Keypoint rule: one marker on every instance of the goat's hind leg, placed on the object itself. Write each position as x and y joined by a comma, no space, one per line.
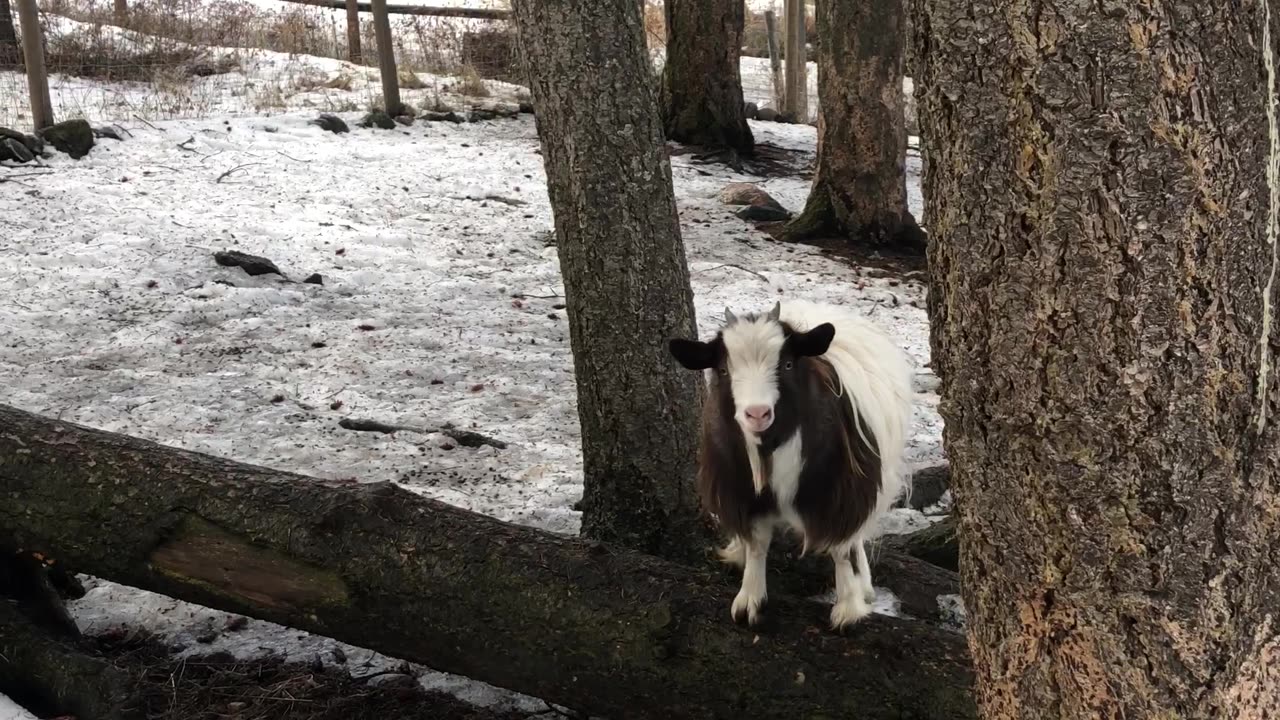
864,571
749,603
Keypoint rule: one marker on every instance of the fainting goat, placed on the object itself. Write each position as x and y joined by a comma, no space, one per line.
804,427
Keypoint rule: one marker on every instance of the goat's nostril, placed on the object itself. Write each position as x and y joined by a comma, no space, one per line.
759,413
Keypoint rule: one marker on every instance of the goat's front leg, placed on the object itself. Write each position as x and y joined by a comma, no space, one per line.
851,601
864,571
750,601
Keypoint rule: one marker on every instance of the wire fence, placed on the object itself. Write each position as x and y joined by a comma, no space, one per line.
170,59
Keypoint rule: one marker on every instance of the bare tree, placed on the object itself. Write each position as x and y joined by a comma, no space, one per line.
353,32
1103,194
701,83
860,189
625,273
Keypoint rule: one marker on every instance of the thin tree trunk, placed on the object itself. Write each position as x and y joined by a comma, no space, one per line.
608,631
701,82
1103,194
624,268
10,54
33,57
859,190
353,32
386,58
121,11
797,85
775,60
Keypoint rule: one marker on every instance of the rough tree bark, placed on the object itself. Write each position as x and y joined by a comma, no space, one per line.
608,631
625,274
859,189
701,83
386,58
1103,197
10,54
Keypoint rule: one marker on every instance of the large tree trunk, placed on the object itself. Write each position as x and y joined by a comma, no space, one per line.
1103,202
10,54
594,627
860,186
624,268
701,82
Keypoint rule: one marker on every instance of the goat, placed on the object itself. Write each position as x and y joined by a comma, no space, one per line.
804,427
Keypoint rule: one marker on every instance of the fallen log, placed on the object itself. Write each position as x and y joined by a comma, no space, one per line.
392,9
937,544
611,632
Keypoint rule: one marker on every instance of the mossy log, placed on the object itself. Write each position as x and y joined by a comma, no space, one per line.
610,632
937,544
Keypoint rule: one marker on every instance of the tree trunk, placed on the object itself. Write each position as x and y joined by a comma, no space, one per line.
33,58
701,82
624,268
353,32
121,11
797,85
1103,200
418,10
860,186
10,55
605,630
386,59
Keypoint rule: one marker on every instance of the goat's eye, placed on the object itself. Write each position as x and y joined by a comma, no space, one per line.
724,372
789,365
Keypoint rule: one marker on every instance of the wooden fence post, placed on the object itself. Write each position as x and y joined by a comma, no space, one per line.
386,58
775,59
33,52
797,86
353,31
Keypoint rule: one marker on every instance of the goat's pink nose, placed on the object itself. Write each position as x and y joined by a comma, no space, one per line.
759,413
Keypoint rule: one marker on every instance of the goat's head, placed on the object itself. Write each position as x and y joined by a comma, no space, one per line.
758,362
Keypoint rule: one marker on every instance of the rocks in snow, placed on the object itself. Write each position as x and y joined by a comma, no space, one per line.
11,149
314,279
73,137
759,205
251,264
750,110
332,123
378,119
437,116
767,114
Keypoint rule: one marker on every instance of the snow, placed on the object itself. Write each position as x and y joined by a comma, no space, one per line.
431,238
10,710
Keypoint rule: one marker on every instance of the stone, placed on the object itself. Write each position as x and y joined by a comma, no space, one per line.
11,149
378,119
767,114
742,193
332,123
436,116
251,264
761,213
751,111
73,137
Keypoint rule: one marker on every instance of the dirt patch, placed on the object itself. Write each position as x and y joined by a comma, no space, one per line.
220,687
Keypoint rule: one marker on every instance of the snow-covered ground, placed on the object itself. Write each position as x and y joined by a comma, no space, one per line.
441,303
10,710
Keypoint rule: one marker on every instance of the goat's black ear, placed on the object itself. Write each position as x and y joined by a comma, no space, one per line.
692,354
814,342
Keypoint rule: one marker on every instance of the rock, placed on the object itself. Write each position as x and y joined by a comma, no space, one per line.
526,107
760,213
32,143
435,116
378,119
767,114
392,680
332,123
748,194
786,118
928,484
751,110
107,132
73,137
405,120
11,149
251,264
314,279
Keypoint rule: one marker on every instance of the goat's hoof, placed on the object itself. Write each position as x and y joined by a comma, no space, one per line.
747,610
847,612
735,553
869,595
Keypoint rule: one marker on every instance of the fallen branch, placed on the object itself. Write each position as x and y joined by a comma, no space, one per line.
227,174
465,438
607,631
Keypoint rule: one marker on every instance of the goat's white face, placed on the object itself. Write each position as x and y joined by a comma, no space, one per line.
753,349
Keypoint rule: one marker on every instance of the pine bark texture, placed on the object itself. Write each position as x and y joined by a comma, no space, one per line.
859,189
625,274
607,631
1102,194
701,79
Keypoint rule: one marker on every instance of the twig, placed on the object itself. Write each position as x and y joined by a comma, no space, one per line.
183,145
140,119
292,158
224,175
15,176
465,438
736,267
